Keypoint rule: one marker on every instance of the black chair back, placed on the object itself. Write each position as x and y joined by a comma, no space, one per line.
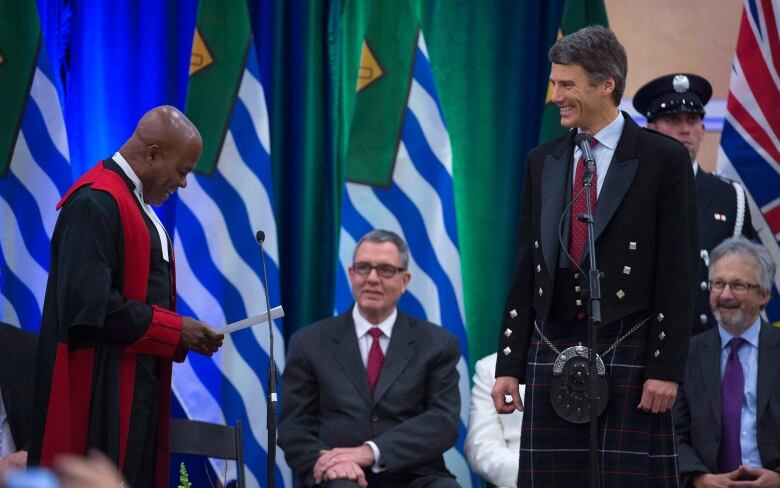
210,440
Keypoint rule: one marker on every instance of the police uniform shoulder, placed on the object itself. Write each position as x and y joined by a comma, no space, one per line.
717,179
722,178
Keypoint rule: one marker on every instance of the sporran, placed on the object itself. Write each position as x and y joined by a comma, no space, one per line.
569,388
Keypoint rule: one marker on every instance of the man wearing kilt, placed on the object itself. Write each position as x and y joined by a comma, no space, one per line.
645,230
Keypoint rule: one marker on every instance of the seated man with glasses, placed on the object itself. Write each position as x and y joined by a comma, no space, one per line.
727,413
370,397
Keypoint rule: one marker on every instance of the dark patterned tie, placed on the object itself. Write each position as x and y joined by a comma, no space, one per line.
733,390
579,230
375,358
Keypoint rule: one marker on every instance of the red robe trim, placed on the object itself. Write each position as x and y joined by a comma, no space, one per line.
67,420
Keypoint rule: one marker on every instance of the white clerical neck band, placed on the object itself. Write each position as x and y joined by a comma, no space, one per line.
139,195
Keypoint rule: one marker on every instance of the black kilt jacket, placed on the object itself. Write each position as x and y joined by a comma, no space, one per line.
645,226
646,246
723,213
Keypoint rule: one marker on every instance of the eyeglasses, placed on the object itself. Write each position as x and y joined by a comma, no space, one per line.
382,269
736,286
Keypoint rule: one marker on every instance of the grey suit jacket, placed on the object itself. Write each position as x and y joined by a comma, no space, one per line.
326,401
697,411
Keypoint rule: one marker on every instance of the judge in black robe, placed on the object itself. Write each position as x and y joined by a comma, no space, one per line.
109,332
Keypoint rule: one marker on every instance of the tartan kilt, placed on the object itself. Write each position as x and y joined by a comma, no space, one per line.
636,449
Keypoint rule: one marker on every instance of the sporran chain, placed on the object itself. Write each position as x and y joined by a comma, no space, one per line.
606,351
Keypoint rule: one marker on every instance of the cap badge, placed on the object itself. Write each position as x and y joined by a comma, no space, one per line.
681,83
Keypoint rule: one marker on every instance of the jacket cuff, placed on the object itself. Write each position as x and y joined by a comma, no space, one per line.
162,337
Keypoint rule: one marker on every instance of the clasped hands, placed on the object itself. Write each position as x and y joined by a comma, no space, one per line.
739,478
344,463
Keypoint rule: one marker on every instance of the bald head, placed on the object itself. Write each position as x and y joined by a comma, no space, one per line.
165,125
162,150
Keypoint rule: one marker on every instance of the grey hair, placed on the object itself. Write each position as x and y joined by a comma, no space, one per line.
379,236
743,248
598,52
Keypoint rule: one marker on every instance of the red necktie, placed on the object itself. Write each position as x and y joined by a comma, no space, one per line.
375,358
579,230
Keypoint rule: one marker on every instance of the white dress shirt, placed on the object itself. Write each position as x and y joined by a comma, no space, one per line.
607,138
748,358
362,326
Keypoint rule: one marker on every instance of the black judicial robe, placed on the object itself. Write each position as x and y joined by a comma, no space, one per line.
108,333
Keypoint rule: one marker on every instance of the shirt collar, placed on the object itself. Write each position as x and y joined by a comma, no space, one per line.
610,135
128,170
750,335
362,325
695,168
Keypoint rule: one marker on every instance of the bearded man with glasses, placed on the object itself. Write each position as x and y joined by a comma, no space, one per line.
370,397
727,413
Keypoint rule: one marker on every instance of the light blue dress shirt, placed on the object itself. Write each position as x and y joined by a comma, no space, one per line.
608,138
748,357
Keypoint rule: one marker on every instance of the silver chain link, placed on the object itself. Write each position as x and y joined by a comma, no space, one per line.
607,351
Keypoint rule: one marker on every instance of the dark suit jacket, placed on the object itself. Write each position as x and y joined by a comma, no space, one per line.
697,411
714,196
326,401
645,226
17,368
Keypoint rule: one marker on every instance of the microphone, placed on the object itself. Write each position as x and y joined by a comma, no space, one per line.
583,141
272,397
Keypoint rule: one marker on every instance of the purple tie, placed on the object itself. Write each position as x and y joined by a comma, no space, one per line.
733,390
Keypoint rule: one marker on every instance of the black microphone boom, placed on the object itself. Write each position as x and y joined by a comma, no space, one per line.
272,398
583,141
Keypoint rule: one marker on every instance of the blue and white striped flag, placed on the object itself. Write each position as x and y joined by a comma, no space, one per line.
219,280
420,207
39,173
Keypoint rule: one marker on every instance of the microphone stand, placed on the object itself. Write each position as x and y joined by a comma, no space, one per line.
272,396
594,316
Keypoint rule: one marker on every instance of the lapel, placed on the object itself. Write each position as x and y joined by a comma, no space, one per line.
554,186
709,362
620,175
346,353
768,365
399,352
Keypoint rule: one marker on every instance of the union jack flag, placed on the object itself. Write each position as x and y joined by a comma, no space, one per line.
750,142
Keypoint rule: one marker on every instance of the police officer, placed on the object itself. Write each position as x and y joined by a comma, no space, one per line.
674,105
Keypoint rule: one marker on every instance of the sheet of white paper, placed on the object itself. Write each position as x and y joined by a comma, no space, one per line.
276,312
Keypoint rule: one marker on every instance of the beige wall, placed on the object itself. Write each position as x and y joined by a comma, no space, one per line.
667,36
